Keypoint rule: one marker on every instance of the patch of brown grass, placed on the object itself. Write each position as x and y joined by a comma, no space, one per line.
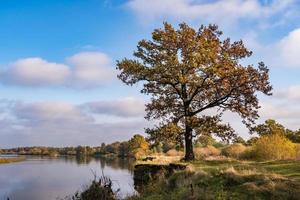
174,152
205,152
234,150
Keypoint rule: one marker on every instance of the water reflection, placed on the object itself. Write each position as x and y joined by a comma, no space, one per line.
46,178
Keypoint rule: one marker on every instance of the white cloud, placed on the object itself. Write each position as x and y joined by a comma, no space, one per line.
85,69
91,68
292,93
283,111
127,107
290,48
50,111
36,71
212,11
63,123
283,53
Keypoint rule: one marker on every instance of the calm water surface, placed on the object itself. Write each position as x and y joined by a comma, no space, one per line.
44,178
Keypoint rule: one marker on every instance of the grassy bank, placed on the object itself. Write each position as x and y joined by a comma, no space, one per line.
286,168
228,180
11,160
212,180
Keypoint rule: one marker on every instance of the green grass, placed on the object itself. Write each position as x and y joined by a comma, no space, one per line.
229,180
11,160
289,169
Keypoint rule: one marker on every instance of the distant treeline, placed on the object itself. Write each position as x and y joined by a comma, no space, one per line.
116,148
119,149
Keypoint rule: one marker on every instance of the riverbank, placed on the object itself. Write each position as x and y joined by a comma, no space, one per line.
12,159
226,180
210,180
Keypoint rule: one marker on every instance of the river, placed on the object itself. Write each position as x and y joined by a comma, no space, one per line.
45,178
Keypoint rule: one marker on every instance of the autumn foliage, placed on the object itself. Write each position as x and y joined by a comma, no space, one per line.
187,72
138,146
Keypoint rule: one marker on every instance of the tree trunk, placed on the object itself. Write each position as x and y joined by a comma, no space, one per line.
189,153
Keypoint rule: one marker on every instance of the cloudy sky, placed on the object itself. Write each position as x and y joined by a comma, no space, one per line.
57,63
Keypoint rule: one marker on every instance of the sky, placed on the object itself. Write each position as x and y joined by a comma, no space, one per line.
58,84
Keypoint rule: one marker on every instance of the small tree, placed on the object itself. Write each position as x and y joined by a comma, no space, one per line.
273,127
187,72
123,149
274,147
269,127
294,136
240,140
138,146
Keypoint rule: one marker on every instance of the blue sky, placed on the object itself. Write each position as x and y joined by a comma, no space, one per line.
57,63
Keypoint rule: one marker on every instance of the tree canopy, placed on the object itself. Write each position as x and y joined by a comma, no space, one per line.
188,71
271,126
138,146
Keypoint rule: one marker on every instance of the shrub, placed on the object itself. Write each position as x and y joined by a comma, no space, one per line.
274,147
248,154
234,150
205,140
98,189
138,146
201,153
297,146
174,152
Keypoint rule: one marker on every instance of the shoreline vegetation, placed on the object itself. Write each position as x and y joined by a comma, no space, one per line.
12,159
226,180
213,179
264,167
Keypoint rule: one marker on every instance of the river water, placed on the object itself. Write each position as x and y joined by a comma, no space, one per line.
45,178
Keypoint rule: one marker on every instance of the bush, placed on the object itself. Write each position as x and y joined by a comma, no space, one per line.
138,146
201,153
99,189
174,152
297,146
234,150
274,147
139,154
248,154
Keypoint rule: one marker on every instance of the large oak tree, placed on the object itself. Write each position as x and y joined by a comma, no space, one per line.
188,71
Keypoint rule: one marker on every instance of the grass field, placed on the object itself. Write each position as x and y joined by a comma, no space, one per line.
289,169
229,179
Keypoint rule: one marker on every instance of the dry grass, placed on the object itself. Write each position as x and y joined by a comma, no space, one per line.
234,150
297,147
230,183
162,159
174,152
205,152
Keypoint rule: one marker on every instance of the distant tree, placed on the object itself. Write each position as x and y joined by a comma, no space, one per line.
294,136
205,140
123,149
269,127
89,150
188,72
138,146
80,151
251,141
239,139
112,148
